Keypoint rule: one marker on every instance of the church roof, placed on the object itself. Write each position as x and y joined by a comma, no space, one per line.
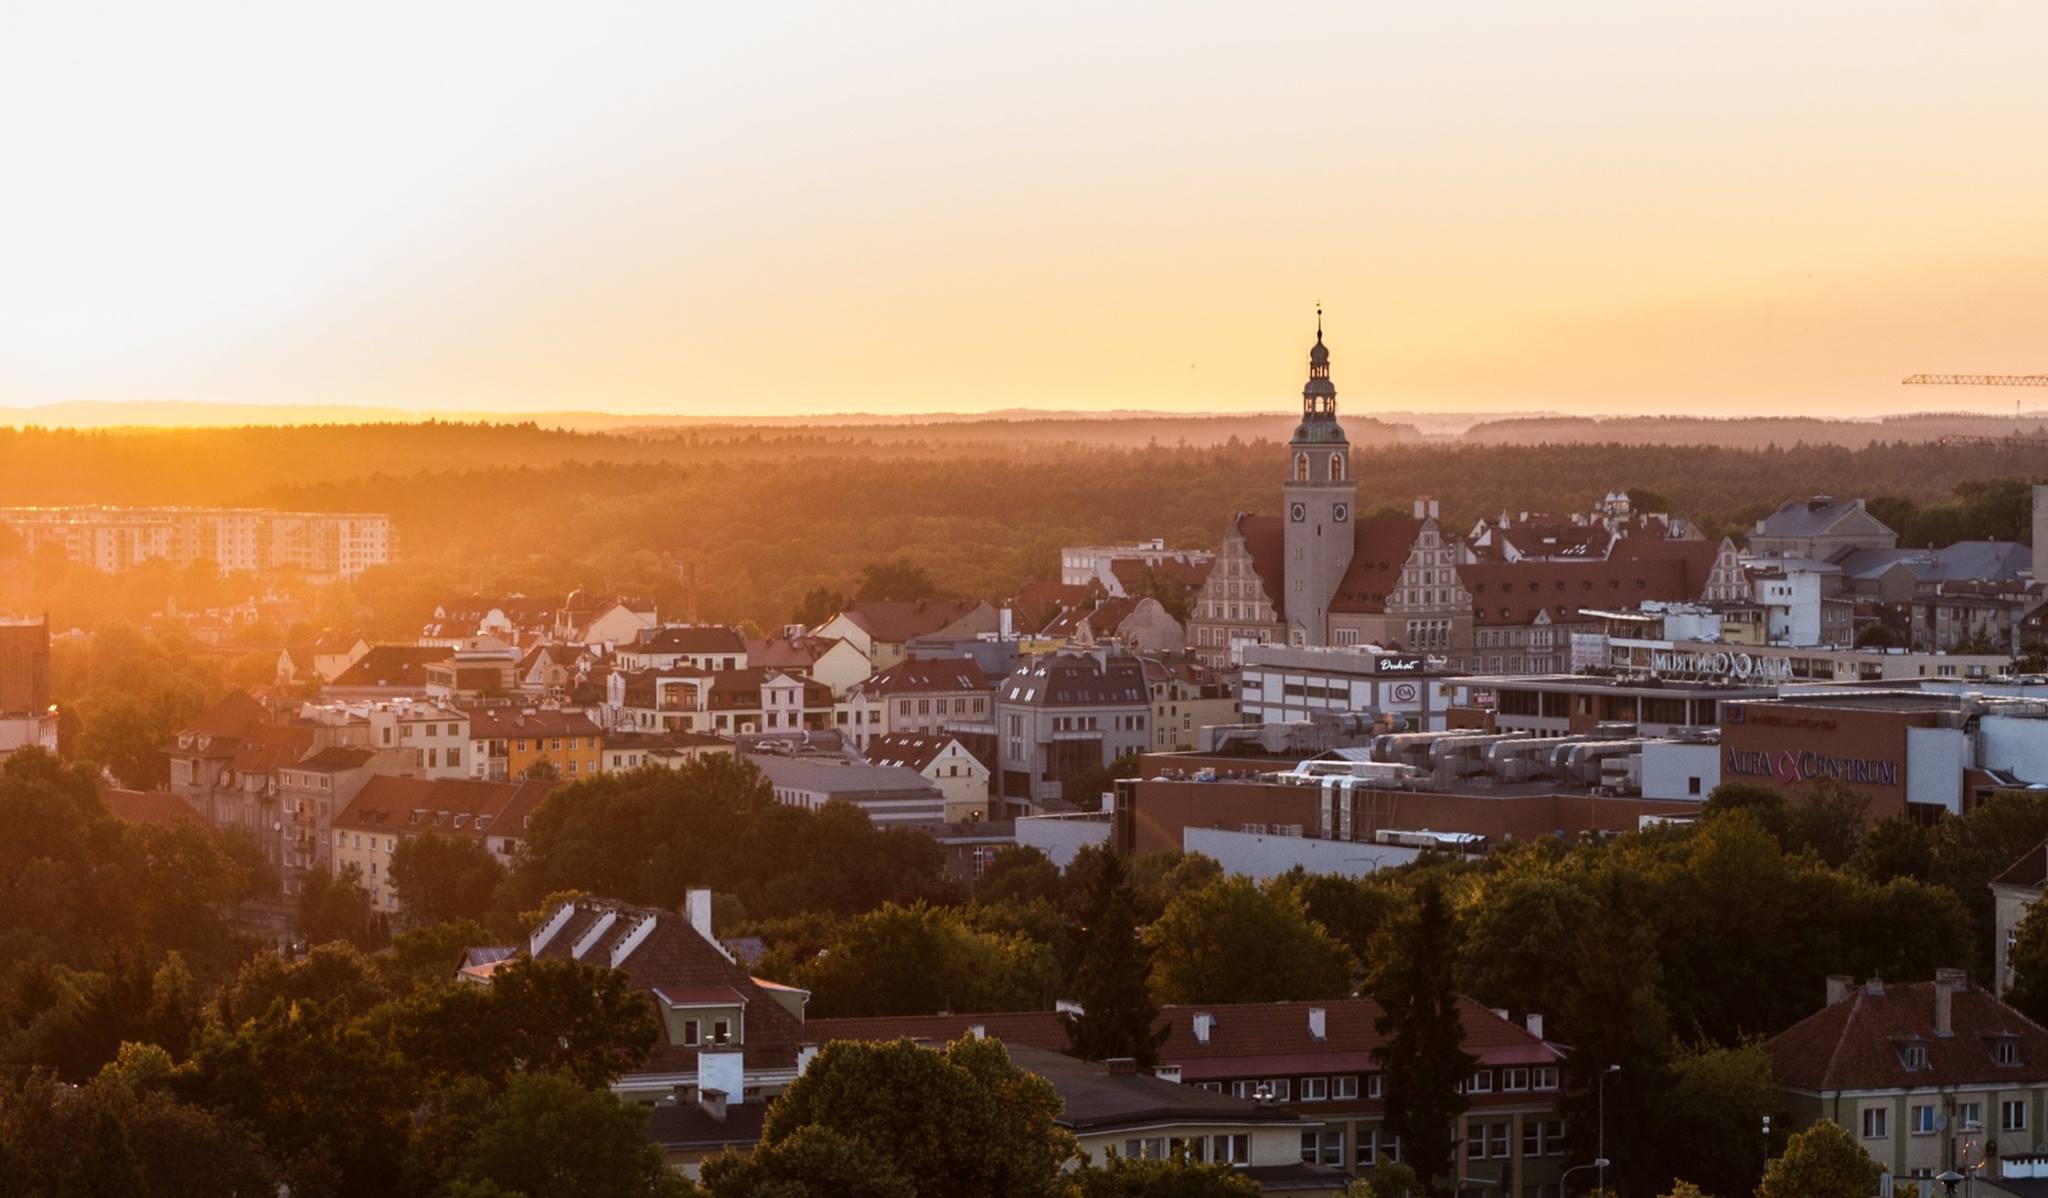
1380,544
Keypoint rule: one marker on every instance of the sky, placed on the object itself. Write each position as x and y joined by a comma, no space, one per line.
1587,206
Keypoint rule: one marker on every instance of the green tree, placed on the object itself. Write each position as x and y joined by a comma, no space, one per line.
1230,942
1109,974
918,960
1827,820
1123,1177
1353,910
1523,922
440,880
586,1021
1086,788
337,907
2028,961
545,1134
819,605
962,1122
1712,1113
1898,847
1764,803
809,1162
123,1134
1421,1058
1019,873
1821,1162
897,578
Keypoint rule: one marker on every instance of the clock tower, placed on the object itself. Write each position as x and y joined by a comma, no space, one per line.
1318,497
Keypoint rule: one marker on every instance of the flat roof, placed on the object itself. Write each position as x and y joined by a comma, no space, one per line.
1595,684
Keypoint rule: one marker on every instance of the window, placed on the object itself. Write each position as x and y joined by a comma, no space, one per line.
2006,1051
1546,1078
721,1031
2012,1115
1315,1089
1243,1089
1375,1085
1231,1150
1915,1056
1876,1123
690,1033
1481,1082
1514,1079
1553,1137
1322,1147
1346,1087
1923,1120
1969,1116
1279,1089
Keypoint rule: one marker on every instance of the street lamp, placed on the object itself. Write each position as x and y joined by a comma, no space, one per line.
1601,1087
1562,1188
1948,1181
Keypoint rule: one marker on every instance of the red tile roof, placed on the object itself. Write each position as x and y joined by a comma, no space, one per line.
159,807
1511,593
498,722
1380,547
1695,558
894,621
675,960
1858,1043
690,638
1245,1039
788,652
910,750
926,676
392,666
387,803
2030,870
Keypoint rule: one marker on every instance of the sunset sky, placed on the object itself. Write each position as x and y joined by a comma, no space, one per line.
1578,205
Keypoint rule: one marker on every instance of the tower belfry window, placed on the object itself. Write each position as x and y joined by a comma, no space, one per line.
1301,467
1336,467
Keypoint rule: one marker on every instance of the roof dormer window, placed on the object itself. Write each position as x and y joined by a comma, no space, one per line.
2005,1050
1913,1055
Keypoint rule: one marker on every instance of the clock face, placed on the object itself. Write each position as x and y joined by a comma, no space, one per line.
1298,512
1340,513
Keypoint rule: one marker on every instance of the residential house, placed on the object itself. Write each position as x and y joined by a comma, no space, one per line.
388,670
882,628
1820,529
1140,625
584,619
730,1043
1187,696
310,794
1058,717
321,660
225,765
481,667
706,647
508,741
834,662
513,619
632,750
1927,1076
387,810
889,795
2014,893
926,695
1315,1060
942,761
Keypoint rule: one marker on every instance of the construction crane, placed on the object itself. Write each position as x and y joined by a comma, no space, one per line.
1979,380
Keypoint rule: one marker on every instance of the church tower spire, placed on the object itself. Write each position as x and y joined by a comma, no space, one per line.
1319,495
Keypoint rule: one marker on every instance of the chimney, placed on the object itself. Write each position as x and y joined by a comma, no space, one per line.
1121,1066
1317,1025
1534,1022
1874,987
804,1057
1204,1022
697,905
1947,982
713,1103
1838,987
978,1031
1421,506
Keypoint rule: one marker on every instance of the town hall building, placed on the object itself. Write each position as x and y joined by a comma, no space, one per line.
1318,574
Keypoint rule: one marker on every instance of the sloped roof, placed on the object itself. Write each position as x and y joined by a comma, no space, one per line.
1245,1039
387,802
1037,603
674,958
910,750
788,652
402,666
928,675
894,621
1092,1098
1515,593
850,780
2030,870
159,807
502,721
236,712
1075,679
1379,547
1813,518
1857,1043
690,638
